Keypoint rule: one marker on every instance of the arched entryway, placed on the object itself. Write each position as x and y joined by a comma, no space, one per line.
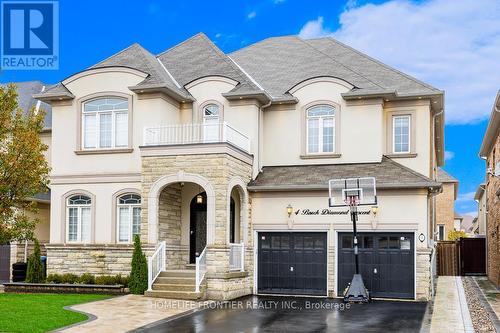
197,226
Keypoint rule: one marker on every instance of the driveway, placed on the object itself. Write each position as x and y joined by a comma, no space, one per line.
291,314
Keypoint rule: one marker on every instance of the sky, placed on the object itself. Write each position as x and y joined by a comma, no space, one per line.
453,45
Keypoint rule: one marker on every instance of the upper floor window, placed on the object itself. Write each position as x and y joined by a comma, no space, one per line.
320,129
78,218
211,120
105,123
129,217
401,133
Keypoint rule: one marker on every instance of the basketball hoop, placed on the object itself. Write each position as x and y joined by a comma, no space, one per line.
353,192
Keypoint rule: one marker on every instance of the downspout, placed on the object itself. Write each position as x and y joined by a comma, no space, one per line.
259,133
434,171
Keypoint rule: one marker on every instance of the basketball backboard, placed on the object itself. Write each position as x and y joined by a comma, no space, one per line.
352,191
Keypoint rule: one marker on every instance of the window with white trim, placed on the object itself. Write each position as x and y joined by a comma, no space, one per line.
211,120
441,232
401,134
105,123
320,129
79,210
128,217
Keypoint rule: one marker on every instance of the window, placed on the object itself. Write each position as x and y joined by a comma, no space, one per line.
401,134
129,217
440,232
105,123
320,129
78,218
211,121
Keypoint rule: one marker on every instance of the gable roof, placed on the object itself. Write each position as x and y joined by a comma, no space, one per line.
26,90
388,174
493,129
444,177
280,63
198,57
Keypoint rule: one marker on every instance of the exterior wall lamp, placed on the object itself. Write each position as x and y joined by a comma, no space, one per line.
375,210
199,199
289,210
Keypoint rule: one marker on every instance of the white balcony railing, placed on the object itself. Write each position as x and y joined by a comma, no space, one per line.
156,264
237,257
201,268
195,134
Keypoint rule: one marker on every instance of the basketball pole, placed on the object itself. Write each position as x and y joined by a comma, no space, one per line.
354,218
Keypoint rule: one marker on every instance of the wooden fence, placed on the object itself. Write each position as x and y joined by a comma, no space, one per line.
466,256
447,258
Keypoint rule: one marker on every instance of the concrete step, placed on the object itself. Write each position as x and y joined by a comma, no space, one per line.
178,273
177,287
188,295
176,280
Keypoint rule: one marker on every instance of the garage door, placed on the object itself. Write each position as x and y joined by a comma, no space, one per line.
386,263
292,263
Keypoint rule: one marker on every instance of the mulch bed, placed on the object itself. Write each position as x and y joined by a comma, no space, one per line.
480,317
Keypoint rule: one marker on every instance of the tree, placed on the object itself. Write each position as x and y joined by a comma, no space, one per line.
138,282
456,235
35,273
23,167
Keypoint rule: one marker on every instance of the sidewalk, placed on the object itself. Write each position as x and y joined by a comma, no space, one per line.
450,311
125,313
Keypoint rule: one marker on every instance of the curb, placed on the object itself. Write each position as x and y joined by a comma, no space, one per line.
486,305
466,318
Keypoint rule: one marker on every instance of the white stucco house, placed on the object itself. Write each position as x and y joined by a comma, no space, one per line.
220,162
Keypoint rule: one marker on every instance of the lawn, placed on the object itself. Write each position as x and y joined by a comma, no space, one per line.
40,312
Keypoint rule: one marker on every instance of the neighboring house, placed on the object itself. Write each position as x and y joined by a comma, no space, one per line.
490,152
480,222
445,205
207,153
457,222
26,90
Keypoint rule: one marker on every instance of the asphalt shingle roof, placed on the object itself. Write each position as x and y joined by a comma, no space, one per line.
444,177
25,100
388,174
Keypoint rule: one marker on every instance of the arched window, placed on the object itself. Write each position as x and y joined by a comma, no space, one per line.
211,120
320,129
105,123
129,217
79,210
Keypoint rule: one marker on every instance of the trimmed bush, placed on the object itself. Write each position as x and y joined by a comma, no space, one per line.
69,278
54,278
35,272
86,278
138,282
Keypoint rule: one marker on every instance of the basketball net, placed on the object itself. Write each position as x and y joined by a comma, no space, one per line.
352,201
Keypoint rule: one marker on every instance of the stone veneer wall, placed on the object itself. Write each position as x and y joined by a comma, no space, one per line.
95,259
493,216
218,169
423,277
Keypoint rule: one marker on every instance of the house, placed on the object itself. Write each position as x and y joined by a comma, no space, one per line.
480,222
445,205
220,162
20,250
490,152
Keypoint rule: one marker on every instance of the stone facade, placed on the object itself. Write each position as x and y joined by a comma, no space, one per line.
423,278
95,259
493,215
445,211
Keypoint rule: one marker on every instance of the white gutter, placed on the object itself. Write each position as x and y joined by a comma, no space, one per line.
39,102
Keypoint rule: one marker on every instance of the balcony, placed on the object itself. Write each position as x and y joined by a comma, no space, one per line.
189,134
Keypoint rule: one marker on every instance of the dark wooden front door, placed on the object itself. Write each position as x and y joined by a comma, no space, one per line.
386,263
198,227
292,263
4,263
473,256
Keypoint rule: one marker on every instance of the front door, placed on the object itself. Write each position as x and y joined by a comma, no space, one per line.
198,226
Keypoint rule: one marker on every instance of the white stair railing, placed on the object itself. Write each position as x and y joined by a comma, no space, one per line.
237,257
156,263
201,268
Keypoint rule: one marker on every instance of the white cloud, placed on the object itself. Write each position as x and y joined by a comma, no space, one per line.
251,15
453,45
468,196
218,35
473,213
448,155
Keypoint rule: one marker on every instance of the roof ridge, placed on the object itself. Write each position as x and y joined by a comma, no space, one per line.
333,40
415,173
338,62
117,53
181,43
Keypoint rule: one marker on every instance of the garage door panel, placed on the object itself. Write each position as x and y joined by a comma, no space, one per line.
386,263
302,263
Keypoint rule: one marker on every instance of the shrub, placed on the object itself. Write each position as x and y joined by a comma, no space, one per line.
138,281
123,280
53,278
86,278
456,235
69,278
35,273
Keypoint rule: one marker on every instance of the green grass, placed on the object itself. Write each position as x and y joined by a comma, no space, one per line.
40,312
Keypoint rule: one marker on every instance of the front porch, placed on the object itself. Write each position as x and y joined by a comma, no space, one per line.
196,214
